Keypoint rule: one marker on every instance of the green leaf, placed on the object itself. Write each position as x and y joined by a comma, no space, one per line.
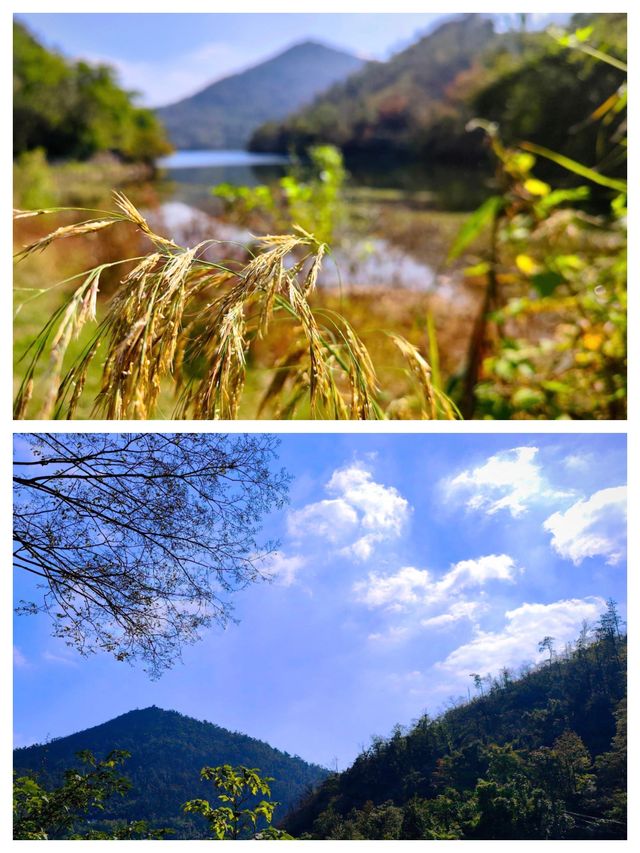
478,269
576,168
583,33
521,162
568,263
556,387
619,205
546,282
545,205
536,187
504,369
480,219
527,398
434,354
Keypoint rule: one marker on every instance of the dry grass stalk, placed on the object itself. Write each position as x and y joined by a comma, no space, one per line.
179,319
76,230
435,404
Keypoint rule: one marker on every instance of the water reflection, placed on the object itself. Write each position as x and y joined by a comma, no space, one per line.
190,212
360,264
209,159
192,174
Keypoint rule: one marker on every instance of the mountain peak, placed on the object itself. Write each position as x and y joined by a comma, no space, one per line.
385,106
310,45
225,113
168,749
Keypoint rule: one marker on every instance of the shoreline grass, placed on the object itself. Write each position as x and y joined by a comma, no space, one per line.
177,319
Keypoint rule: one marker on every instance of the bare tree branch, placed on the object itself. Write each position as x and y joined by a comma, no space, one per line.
140,539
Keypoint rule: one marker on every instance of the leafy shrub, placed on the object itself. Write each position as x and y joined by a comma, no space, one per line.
309,197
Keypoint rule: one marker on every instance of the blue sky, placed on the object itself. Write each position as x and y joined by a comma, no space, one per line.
169,56
406,563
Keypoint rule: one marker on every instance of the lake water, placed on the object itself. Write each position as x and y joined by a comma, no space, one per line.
193,173
207,159
370,264
188,177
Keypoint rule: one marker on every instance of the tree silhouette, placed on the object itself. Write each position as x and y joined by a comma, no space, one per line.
138,540
477,681
547,643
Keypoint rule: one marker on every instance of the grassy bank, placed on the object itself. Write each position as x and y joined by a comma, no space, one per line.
41,184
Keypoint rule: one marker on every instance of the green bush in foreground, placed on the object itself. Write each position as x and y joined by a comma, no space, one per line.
235,787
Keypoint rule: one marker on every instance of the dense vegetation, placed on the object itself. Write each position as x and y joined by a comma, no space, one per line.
549,339
168,751
541,755
538,756
225,114
60,811
386,106
528,90
74,110
419,102
233,818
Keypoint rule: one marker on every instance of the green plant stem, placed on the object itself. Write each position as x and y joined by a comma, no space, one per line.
479,333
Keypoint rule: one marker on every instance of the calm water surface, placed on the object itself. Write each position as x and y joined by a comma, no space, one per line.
188,176
191,174
210,159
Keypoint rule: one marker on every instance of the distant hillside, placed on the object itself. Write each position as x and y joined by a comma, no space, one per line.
418,104
168,750
384,106
540,756
225,114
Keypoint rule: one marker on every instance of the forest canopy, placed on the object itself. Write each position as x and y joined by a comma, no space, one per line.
539,756
74,110
418,104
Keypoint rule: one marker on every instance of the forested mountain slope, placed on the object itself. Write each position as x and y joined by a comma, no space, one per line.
419,103
540,756
225,114
386,105
168,750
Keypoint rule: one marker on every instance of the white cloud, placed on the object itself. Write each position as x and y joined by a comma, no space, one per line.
592,527
51,657
19,660
517,642
382,508
459,610
468,573
333,520
170,79
362,548
358,516
391,635
509,480
577,461
409,586
285,569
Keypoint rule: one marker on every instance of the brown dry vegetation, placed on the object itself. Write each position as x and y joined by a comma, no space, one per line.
310,363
